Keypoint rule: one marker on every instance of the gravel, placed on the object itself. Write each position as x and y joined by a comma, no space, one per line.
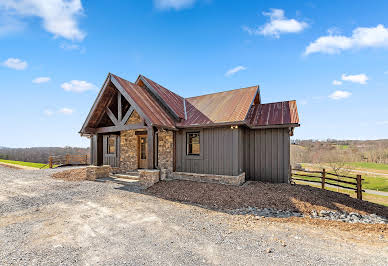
47,221
352,217
266,212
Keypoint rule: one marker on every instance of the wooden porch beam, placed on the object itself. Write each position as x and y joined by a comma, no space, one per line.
119,107
150,147
117,128
111,116
127,115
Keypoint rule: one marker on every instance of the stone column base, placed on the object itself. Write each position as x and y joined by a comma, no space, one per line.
94,172
148,177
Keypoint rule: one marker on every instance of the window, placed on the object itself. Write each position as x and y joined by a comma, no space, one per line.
193,145
143,148
111,145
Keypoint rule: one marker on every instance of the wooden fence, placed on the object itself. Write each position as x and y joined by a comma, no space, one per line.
327,178
67,159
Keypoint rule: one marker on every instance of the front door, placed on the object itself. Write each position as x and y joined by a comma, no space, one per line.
142,152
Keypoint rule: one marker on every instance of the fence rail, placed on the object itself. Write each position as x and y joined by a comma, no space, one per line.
67,159
323,176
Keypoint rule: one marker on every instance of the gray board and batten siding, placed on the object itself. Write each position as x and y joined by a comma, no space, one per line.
266,155
263,154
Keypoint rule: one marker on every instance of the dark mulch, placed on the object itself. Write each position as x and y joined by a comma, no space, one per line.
263,195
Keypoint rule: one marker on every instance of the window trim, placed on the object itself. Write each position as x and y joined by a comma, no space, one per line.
201,147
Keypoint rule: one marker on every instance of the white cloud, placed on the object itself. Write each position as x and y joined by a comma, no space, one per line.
360,78
173,4
234,70
337,82
386,72
15,63
277,25
59,16
382,123
41,80
48,112
78,86
362,37
66,111
338,95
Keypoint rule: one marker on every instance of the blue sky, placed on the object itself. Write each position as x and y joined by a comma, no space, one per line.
332,57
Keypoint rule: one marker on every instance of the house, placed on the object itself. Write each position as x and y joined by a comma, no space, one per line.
231,133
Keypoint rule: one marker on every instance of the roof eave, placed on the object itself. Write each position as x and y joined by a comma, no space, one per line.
274,126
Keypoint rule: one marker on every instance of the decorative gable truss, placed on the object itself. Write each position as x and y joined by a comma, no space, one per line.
111,111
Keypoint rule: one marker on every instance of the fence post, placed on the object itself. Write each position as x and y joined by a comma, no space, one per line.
67,159
359,187
323,178
86,159
50,162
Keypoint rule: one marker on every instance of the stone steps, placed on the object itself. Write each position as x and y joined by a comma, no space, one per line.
121,181
134,175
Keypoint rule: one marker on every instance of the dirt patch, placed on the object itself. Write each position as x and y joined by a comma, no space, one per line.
16,166
71,175
299,198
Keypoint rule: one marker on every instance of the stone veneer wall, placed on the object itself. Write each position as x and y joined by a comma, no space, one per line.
94,172
148,177
128,151
165,152
128,145
207,178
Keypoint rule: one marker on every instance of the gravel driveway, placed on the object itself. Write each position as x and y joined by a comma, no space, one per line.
48,221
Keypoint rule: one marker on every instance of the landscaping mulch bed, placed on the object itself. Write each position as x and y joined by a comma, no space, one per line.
298,198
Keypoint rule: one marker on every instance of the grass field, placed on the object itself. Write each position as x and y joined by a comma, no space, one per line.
370,166
35,165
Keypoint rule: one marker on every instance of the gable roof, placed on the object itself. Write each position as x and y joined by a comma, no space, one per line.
174,101
144,100
220,108
163,108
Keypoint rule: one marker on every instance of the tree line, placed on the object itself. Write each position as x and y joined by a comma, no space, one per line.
331,151
39,154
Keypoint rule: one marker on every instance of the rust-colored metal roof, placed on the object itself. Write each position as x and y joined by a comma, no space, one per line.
235,107
157,115
218,108
173,100
280,113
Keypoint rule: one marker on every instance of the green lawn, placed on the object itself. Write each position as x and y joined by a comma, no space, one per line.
36,165
374,166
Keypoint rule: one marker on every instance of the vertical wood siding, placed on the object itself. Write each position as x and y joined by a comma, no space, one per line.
111,159
219,152
266,155
263,154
